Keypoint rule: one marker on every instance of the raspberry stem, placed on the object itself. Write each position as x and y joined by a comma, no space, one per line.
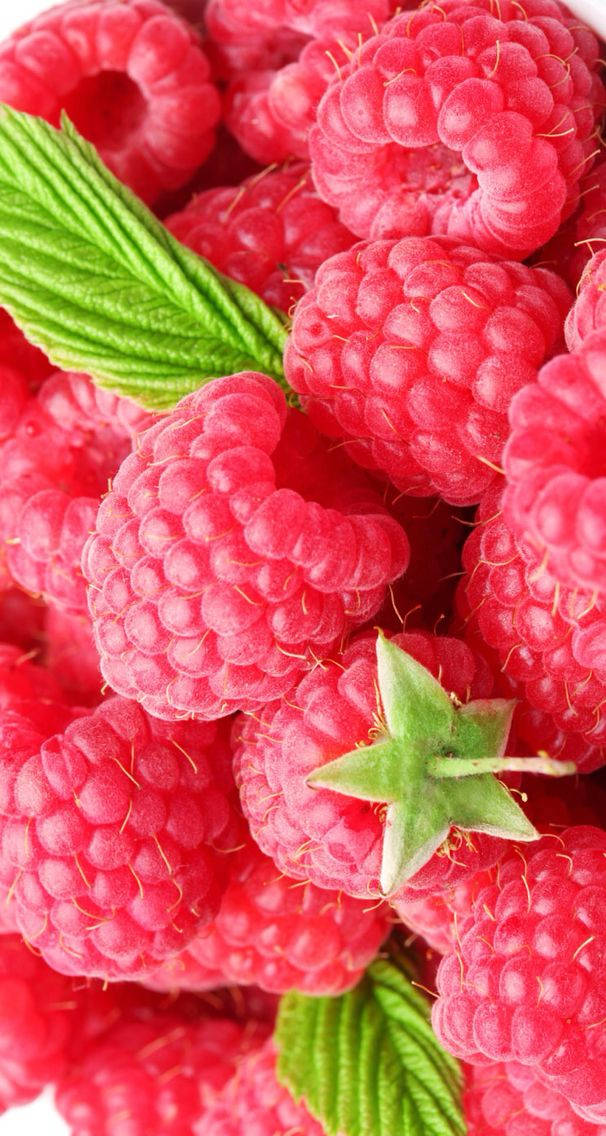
444,767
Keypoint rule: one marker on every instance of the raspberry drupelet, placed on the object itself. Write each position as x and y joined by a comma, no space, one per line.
280,934
215,580
255,1101
462,119
588,313
555,496
305,768
548,640
272,232
525,981
155,1077
133,78
411,350
115,837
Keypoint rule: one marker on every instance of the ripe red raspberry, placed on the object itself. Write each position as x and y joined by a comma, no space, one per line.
582,237
548,641
588,314
411,350
555,497
40,1012
153,1078
462,119
437,917
280,58
508,1100
319,834
115,837
272,233
280,934
21,619
131,76
214,582
254,1101
69,441
30,691
18,354
526,980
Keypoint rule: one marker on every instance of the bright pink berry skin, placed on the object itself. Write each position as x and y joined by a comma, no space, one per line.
319,835
555,498
153,1078
133,78
525,982
254,1103
213,581
272,233
548,641
115,838
508,1100
436,918
276,933
411,350
70,654
462,120
69,440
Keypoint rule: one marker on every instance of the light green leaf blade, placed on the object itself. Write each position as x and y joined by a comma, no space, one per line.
487,806
367,1063
94,279
414,829
482,727
370,773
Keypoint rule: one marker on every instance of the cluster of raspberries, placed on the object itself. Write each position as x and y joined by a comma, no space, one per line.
191,602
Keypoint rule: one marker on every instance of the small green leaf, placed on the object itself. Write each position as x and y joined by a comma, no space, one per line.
101,286
368,1063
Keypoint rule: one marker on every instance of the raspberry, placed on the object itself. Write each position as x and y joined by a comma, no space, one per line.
437,917
321,835
131,76
115,838
214,583
30,691
272,233
16,353
526,981
554,501
588,313
463,120
583,236
255,1102
507,1100
547,639
21,619
278,934
411,350
70,439
41,1013
71,655
153,1078
280,59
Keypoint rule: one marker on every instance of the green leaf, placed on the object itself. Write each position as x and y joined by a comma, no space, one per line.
368,1063
101,286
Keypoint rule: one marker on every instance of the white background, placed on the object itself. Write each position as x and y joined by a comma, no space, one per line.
40,1119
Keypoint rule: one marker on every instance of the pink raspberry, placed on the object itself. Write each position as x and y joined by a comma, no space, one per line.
588,313
115,837
436,918
279,934
254,1101
555,499
153,1078
21,619
583,236
465,120
280,58
69,441
132,77
272,233
508,1100
214,583
411,351
16,353
526,980
320,835
547,638
40,1014
30,691
70,654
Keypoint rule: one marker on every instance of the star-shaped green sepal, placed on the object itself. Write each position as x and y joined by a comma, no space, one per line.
434,767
